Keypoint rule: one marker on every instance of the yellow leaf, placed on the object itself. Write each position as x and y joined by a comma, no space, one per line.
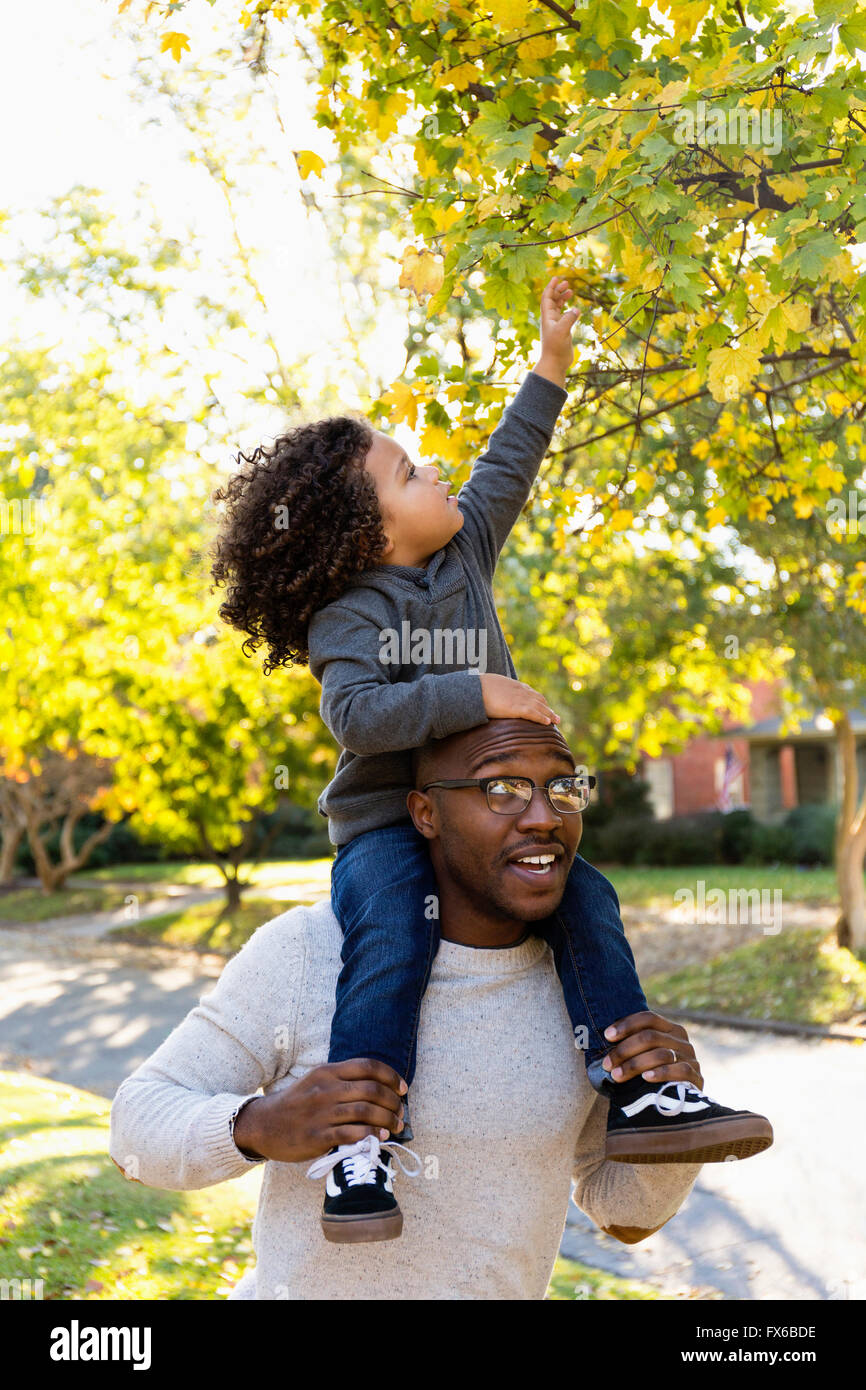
829,478
622,519
701,449
803,507
422,272
500,203
611,160
426,165
644,479
758,508
461,76
837,401
402,397
510,14
435,441
732,369
174,43
670,95
309,162
647,130
541,46
793,189
716,516
797,316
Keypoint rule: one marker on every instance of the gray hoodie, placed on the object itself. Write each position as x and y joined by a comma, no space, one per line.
398,655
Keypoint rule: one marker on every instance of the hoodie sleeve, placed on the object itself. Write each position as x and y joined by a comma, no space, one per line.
492,498
364,711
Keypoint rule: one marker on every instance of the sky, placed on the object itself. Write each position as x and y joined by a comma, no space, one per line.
67,93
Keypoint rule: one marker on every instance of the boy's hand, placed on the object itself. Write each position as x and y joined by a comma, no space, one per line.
505,698
557,349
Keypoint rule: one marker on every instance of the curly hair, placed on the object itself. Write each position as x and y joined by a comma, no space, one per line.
301,522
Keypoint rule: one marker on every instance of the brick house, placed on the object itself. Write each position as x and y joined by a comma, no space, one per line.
753,765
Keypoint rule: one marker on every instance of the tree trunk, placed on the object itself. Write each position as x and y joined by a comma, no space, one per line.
234,888
850,845
11,839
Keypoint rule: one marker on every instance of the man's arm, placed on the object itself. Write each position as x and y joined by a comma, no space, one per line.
626,1200
500,482
170,1121
170,1118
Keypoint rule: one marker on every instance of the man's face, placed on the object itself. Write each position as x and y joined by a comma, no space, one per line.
418,512
481,850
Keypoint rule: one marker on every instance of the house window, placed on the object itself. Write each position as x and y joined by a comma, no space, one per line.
659,776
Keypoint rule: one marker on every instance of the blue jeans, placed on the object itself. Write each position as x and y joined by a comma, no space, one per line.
385,895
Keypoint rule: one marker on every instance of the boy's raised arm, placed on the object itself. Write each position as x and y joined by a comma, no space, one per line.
492,499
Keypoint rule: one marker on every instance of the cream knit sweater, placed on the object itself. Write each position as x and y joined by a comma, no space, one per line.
503,1115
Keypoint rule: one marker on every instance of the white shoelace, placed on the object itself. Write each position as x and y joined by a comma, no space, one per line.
361,1160
668,1104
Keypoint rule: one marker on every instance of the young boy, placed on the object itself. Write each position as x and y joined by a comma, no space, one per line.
382,580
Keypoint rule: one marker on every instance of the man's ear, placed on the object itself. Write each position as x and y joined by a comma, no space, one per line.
423,813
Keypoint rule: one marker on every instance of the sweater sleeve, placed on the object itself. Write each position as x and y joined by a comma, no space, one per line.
492,498
364,711
170,1118
626,1200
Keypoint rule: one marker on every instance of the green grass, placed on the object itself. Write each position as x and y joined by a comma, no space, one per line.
576,1281
69,1218
32,905
801,976
291,881
197,875
648,887
201,927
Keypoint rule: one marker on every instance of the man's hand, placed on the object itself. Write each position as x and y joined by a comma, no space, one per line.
557,349
643,1048
506,698
337,1103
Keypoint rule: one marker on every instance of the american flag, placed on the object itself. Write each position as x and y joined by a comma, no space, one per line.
733,768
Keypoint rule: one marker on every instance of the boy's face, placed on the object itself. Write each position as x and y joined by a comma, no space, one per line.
419,515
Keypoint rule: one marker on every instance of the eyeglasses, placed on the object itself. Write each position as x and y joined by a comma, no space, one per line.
507,796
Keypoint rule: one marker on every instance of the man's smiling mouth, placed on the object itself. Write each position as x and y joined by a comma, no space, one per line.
537,864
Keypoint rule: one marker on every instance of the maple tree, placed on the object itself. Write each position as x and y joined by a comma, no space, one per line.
696,171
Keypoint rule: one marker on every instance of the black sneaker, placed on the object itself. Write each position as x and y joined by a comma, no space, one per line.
674,1122
359,1202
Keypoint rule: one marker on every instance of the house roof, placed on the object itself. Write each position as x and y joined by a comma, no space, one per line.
769,730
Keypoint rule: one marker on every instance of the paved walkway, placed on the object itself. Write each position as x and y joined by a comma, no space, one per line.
787,1224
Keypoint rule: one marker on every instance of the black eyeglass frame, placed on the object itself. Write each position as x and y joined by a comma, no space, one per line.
484,782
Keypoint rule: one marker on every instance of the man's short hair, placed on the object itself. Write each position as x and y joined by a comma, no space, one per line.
424,762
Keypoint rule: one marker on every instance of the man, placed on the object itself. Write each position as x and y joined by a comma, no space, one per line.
502,1106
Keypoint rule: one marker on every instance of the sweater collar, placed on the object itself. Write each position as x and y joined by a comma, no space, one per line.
453,959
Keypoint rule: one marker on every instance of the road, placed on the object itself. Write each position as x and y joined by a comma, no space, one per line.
787,1224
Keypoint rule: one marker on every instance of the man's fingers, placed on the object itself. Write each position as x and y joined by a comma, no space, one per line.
363,1112
372,1091
649,1040
647,1019
369,1068
349,1134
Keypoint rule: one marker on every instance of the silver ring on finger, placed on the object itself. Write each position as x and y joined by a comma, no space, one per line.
673,1055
